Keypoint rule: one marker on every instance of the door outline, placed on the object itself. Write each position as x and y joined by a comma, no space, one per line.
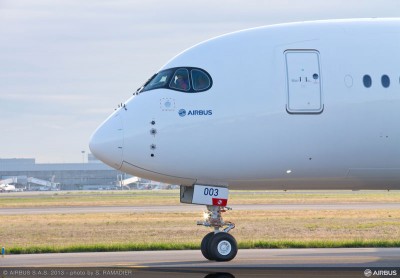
304,109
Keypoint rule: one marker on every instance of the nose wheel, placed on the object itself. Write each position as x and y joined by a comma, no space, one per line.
204,246
218,245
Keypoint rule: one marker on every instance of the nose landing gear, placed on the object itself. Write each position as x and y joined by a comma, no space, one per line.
218,245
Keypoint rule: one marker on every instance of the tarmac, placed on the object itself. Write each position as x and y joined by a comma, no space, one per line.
340,262
194,208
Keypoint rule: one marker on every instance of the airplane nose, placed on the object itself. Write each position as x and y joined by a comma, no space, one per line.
107,141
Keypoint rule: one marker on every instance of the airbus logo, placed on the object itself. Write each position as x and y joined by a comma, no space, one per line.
183,113
370,273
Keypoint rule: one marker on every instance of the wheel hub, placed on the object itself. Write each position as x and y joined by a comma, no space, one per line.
224,247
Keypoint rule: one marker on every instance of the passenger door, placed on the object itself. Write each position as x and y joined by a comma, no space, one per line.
303,77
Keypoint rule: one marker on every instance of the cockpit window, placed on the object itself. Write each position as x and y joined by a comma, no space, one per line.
183,79
200,80
180,81
159,80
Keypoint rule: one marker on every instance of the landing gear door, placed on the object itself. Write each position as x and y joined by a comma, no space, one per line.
205,195
303,77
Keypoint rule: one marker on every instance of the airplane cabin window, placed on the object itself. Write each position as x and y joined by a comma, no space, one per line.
385,81
200,80
367,81
180,80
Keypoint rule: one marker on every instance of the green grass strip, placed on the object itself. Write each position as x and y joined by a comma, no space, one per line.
194,246
101,248
319,244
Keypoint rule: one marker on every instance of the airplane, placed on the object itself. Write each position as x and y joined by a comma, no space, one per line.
7,188
295,106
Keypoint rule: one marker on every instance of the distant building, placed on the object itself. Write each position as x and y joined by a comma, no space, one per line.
68,176
93,159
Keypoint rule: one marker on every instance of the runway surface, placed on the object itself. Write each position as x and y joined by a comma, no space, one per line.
248,263
337,257
194,208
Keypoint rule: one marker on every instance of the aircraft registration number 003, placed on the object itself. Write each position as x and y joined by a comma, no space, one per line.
210,195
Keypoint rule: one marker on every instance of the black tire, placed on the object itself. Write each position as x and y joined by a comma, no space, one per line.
219,275
222,247
204,246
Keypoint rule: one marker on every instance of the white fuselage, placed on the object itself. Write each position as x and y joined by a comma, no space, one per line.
7,187
287,109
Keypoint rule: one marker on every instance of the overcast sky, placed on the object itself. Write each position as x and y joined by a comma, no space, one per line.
66,64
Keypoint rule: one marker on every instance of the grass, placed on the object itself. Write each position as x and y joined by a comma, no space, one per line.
102,248
167,231
48,233
319,244
77,199
196,245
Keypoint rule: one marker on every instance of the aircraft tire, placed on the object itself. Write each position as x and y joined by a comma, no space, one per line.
222,247
204,246
219,275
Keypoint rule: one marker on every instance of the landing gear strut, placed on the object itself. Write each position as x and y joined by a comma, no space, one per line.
217,245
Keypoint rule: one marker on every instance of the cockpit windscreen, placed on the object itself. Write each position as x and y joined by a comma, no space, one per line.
184,79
